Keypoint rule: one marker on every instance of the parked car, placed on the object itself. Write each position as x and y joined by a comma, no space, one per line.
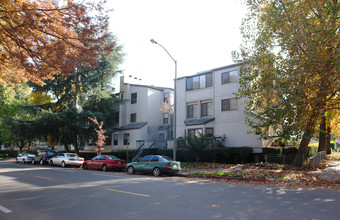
66,159
44,156
105,162
24,158
155,164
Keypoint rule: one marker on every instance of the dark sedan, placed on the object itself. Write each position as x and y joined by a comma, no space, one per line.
105,162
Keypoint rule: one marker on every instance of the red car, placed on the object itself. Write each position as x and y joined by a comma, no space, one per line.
105,162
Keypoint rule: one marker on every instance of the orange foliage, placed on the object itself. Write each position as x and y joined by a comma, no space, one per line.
40,39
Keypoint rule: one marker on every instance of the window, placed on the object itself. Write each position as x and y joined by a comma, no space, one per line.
134,98
209,132
115,139
133,117
96,158
192,111
154,159
229,104
166,118
146,158
209,81
207,109
203,81
189,84
126,139
195,132
229,77
196,82
199,82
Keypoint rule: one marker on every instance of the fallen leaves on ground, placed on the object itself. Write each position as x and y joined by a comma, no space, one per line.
273,174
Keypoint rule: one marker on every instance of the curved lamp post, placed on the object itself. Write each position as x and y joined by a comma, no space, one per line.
175,94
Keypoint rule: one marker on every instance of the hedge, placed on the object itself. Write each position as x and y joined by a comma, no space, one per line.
312,150
10,153
219,155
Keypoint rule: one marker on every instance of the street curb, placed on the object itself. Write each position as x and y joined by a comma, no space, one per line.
224,177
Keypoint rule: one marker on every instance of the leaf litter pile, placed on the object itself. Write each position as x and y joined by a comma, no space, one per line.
264,174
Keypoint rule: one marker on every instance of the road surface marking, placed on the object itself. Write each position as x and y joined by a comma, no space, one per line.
42,177
62,170
4,209
136,194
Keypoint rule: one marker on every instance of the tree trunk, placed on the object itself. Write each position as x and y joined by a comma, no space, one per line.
328,140
66,148
76,147
76,91
20,146
322,135
307,135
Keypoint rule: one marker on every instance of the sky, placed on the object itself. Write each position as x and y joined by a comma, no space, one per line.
199,34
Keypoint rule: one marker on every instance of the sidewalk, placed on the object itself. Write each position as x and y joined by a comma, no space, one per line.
332,172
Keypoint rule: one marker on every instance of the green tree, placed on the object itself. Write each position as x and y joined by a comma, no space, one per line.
290,73
196,145
12,105
65,103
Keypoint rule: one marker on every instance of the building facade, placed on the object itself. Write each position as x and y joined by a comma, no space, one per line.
207,105
141,120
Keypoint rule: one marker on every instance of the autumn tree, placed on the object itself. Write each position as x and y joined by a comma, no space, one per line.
41,39
290,74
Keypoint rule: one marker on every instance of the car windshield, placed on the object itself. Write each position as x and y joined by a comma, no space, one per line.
112,157
72,155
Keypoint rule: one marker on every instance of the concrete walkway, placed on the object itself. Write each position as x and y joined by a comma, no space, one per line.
331,172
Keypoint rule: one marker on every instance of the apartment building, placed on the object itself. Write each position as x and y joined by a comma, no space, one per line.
207,105
141,120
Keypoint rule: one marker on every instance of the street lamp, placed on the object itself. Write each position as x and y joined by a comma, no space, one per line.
175,94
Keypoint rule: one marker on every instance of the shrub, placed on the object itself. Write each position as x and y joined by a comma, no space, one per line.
10,153
3,156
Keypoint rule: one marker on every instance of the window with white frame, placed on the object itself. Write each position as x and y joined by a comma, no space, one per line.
207,109
229,77
134,98
165,118
192,111
115,139
126,139
209,132
133,117
196,132
229,104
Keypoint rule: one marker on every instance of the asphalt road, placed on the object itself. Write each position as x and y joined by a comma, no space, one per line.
43,192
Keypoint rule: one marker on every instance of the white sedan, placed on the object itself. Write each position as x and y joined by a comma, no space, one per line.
25,158
65,159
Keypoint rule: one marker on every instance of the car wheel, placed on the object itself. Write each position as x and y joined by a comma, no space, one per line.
63,164
51,163
85,166
23,161
156,171
104,168
33,161
41,162
131,170
17,160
